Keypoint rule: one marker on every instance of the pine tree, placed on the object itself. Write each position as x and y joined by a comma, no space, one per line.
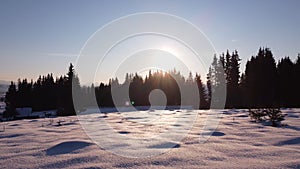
209,86
10,98
217,80
202,94
233,77
296,97
261,80
71,83
286,86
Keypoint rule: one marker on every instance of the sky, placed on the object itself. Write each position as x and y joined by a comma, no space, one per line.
40,37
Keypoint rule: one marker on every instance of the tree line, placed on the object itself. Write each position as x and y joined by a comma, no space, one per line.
263,84
43,94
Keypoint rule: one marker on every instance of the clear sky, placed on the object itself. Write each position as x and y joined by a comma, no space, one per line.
39,37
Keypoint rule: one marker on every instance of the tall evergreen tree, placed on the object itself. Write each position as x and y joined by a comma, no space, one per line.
261,80
71,84
217,80
232,79
10,101
209,86
202,94
286,86
297,82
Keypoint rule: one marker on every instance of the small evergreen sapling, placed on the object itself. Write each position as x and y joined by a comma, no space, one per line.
274,115
257,115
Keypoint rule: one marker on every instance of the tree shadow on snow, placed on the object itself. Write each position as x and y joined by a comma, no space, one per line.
124,132
215,133
67,147
292,127
292,141
12,136
218,134
165,145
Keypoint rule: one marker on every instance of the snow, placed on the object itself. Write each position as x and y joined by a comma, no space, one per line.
236,143
131,108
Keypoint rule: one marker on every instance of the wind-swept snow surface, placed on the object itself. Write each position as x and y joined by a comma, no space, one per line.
236,143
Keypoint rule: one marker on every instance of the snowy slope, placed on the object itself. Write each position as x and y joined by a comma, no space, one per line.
237,143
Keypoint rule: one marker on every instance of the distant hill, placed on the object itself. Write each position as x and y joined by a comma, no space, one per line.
4,86
4,82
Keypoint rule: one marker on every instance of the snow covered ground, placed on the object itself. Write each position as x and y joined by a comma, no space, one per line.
236,143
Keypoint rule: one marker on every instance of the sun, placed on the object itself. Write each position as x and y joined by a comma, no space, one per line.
170,49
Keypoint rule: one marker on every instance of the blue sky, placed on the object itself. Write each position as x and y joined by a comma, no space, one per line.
39,37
